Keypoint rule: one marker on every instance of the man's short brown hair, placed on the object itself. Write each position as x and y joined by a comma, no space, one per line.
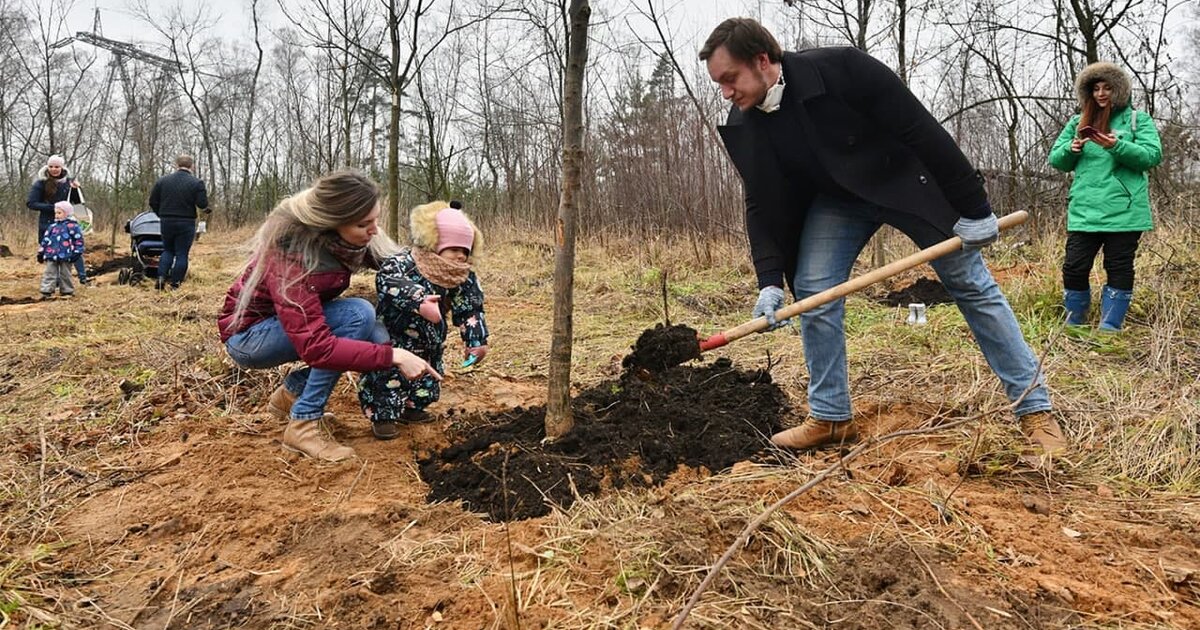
744,38
184,161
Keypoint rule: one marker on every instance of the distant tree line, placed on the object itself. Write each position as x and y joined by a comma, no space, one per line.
462,99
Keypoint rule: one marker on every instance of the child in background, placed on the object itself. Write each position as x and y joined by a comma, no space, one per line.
61,246
418,289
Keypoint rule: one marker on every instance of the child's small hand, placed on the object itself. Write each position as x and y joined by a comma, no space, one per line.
431,309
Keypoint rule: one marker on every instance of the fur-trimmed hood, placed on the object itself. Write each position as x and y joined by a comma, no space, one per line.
423,227
66,173
1117,79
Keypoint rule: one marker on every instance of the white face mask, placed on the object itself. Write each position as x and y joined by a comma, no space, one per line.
774,95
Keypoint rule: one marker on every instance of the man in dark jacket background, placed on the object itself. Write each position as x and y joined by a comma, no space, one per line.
831,145
175,199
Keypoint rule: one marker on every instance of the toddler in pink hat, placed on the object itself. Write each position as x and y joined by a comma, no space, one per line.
422,291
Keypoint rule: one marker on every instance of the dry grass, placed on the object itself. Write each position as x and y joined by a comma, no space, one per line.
119,362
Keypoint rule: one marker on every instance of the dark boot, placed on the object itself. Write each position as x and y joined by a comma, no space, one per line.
385,430
1114,303
1077,304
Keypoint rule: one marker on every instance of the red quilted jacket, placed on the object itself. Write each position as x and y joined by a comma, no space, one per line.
298,308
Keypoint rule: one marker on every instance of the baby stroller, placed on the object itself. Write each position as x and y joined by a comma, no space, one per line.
145,241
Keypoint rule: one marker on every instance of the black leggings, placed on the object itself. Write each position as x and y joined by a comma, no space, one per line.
1119,250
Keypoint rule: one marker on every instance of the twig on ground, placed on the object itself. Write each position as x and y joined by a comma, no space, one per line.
874,441
938,583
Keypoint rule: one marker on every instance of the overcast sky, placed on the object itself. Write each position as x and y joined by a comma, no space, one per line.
118,22
690,20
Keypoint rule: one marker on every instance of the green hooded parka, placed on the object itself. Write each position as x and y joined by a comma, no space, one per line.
1109,192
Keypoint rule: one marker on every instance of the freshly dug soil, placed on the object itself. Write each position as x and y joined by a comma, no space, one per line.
630,432
925,291
662,347
112,264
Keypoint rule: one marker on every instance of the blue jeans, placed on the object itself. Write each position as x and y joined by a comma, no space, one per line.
177,237
266,345
80,270
835,232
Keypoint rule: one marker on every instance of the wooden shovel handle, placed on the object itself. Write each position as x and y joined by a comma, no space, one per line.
932,252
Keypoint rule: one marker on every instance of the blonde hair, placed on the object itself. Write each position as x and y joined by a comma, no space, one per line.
422,227
300,225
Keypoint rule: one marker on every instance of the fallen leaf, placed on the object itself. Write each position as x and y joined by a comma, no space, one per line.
1070,533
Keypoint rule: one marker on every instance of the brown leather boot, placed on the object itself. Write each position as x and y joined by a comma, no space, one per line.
280,403
385,430
308,437
813,433
1043,431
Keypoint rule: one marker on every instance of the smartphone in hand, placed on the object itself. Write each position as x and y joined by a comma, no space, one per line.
1088,131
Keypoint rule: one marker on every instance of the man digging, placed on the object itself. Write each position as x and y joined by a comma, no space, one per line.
831,145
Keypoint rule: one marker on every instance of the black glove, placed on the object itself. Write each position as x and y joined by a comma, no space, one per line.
41,258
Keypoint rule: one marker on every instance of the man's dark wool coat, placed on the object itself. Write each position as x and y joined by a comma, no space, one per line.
871,135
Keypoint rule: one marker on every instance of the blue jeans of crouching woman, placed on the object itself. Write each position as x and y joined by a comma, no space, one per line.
266,345
835,232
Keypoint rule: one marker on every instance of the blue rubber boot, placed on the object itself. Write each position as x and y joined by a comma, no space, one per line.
1077,304
1114,303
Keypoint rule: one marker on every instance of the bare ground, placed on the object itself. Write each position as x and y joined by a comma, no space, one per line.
143,486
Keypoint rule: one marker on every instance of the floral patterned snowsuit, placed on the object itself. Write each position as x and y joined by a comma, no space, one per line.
386,395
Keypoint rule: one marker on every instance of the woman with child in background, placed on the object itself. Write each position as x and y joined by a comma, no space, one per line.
52,185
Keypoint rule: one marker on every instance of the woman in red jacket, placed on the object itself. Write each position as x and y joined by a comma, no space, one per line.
285,307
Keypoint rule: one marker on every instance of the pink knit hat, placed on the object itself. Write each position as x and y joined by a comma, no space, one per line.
65,206
454,230
55,160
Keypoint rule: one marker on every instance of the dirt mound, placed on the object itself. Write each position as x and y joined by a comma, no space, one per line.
112,264
925,291
662,347
632,432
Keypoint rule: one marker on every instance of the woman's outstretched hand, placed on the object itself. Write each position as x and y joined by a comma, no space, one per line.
412,366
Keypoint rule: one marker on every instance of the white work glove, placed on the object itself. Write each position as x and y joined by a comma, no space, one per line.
770,299
977,233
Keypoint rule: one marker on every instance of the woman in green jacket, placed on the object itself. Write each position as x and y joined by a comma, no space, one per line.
1108,146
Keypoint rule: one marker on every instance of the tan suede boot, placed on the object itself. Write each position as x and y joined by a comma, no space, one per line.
813,433
1043,431
308,437
280,403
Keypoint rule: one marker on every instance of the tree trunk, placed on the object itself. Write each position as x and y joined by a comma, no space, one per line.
247,152
559,420
396,84
902,39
